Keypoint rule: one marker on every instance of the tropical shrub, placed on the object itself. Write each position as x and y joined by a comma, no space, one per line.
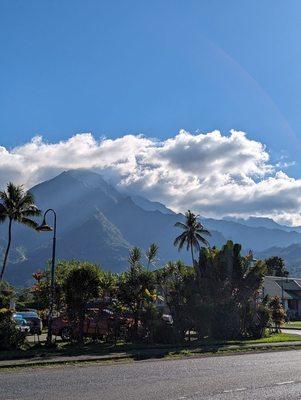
6,292
278,313
10,336
136,291
81,286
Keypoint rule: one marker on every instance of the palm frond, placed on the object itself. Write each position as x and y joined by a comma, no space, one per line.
31,211
3,213
203,232
26,200
181,225
179,239
29,222
201,239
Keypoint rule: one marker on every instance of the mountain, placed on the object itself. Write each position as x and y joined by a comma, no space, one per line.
255,238
151,205
291,255
98,223
263,222
95,222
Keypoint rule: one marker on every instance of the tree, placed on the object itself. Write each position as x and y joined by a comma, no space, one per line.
136,290
134,256
229,288
81,286
151,254
16,205
176,282
192,235
6,294
278,313
10,336
276,266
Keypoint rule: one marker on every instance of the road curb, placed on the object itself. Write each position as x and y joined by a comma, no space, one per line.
209,351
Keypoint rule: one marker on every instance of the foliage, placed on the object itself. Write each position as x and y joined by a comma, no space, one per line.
6,293
229,285
16,205
193,234
217,298
151,254
134,257
136,291
276,267
81,286
10,336
177,284
277,312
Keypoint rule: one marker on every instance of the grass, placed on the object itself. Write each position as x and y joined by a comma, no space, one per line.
39,351
293,324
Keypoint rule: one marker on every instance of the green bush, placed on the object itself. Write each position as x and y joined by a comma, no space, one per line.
260,321
10,336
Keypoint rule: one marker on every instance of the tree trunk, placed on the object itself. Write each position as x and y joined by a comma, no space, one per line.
192,255
7,248
81,326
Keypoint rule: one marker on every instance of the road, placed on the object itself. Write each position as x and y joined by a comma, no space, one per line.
254,376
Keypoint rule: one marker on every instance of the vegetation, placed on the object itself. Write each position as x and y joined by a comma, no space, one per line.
214,299
82,285
218,298
193,234
276,267
10,336
277,313
16,205
151,254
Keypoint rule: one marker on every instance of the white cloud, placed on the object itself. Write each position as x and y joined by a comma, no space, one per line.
209,173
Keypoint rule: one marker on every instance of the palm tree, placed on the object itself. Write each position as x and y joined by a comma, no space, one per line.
192,235
16,205
151,254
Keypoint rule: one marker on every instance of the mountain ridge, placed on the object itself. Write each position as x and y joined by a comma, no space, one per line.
98,223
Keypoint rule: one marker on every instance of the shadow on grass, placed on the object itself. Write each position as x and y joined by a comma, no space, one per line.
138,351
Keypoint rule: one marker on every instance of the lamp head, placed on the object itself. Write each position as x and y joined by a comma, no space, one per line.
44,227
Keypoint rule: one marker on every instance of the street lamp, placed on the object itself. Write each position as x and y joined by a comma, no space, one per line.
44,227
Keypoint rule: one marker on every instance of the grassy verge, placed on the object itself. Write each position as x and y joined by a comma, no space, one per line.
293,325
34,351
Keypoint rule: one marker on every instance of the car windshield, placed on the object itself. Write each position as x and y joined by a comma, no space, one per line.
20,321
28,314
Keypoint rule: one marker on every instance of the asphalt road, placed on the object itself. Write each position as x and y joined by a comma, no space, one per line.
254,376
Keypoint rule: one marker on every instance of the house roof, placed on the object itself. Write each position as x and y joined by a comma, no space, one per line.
286,288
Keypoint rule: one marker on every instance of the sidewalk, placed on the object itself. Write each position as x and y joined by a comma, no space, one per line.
146,354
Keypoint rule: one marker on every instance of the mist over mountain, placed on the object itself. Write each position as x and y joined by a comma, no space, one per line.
263,222
98,223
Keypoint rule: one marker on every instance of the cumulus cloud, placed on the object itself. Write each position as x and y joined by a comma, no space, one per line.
211,173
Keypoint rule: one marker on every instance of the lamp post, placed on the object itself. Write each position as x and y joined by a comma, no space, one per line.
44,227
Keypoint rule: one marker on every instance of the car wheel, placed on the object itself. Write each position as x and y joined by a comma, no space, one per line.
66,333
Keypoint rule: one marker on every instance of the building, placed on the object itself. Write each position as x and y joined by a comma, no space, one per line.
288,290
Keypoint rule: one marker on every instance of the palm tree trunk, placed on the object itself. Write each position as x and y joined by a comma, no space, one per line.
7,248
192,255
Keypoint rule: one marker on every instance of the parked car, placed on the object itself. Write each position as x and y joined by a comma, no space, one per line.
21,323
32,319
99,324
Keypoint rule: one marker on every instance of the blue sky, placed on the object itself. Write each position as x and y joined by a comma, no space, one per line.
114,67
153,67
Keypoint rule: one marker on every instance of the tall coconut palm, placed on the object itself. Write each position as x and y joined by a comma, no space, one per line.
192,235
16,205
